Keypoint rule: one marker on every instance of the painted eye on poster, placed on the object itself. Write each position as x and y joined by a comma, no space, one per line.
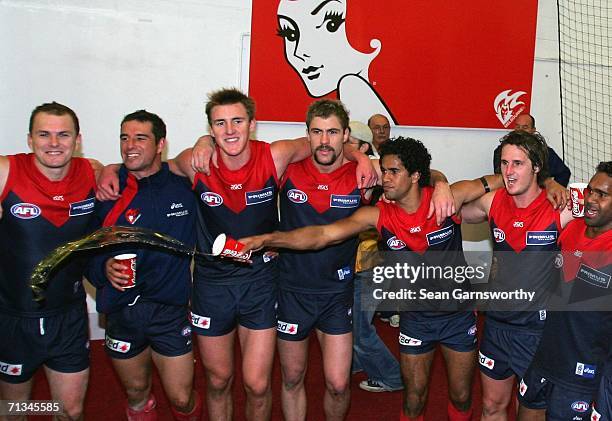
317,48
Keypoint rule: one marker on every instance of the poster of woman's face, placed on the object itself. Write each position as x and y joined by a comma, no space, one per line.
421,63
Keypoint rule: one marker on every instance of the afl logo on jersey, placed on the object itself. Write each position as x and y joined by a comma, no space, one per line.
297,196
25,211
211,199
395,244
498,235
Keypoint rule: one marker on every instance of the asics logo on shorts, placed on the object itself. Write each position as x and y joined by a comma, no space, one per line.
200,321
117,345
408,341
585,370
485,361
10,369
288,328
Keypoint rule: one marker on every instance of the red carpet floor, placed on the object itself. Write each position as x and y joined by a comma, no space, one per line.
106,400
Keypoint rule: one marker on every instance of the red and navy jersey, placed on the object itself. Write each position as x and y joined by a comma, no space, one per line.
309,197
524,247
422,243
238,203
162,202
578,338
38,216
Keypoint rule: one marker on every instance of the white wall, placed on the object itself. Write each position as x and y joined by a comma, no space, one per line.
106,58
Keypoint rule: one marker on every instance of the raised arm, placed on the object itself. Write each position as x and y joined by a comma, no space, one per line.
442,202
368,170
465,191
108,183
182,164
316,237
557,195
97,166
285,152
4,171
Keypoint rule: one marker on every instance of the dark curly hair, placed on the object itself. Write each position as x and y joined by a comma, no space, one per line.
534,145
412,153
605,167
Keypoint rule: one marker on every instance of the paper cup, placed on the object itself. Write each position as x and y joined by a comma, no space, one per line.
225,246
128,260
577,197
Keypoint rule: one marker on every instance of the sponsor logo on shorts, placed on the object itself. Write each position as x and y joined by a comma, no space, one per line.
395,244
186,331
116,345
288,328
408,341
211,199
297,196
542,314
499,235
440,236
541,238
25,211
585,370
200,321
472,330
344,201
580,406
486,361
595,416
82,208
11,369
522,388
345,273
593,276
259,196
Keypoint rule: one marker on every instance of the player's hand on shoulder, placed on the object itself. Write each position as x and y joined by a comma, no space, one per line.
442,202
203,153
557,195
108,183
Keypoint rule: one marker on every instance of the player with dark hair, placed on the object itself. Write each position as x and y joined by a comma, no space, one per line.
149,323
563,387
404,225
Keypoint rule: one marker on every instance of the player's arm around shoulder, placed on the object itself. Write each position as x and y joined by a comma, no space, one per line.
316,237
288,151
473,198
4,172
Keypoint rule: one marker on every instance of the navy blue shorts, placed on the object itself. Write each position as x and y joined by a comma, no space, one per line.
216,310
457,332
602,410
60,342
165,328
561,403
299,313
506,352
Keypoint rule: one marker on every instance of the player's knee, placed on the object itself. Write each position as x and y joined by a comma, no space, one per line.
181,400
337,387
492,405
72,411
218,382
292,379
461,399
138,390
257,388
